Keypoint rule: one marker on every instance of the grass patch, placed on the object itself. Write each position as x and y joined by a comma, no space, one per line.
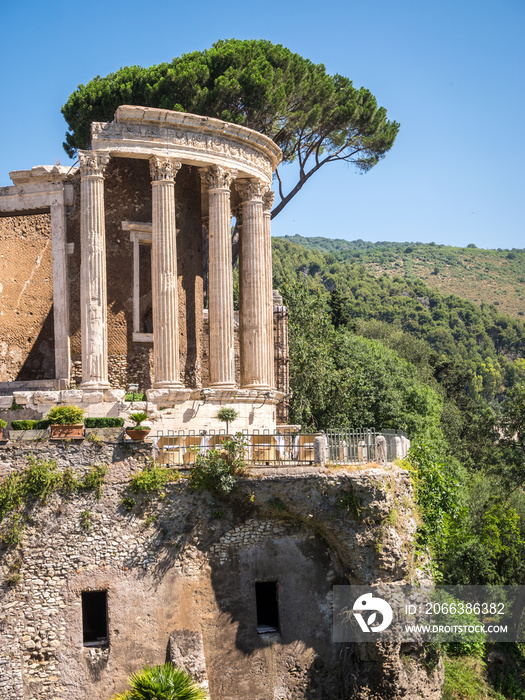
350,503
465,679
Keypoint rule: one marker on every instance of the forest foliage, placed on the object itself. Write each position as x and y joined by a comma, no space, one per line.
492,276
390,352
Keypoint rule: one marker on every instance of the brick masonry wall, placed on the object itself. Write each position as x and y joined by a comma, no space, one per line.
26,298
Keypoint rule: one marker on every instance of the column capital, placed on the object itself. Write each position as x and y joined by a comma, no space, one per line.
268,198
93,163
163,168
217,177
250,190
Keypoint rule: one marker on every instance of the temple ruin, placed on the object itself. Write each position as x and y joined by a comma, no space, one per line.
119,271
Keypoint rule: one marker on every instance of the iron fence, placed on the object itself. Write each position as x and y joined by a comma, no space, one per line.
181,448
286,447
366,445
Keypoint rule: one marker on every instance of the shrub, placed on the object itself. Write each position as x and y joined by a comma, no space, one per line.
66,415
216,471
86,520
152,478
94,479
465,679
37,481
30,424
468,643
104,422
137,396
41,478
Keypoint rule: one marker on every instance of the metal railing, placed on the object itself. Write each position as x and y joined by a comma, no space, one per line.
182,448
366,445
283,448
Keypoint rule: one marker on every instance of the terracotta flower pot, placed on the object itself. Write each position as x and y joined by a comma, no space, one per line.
135,434
66,432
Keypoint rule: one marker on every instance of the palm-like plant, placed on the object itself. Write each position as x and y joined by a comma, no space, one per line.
227,415
138,419
166,682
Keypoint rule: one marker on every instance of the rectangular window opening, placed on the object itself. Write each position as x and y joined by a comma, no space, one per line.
95,618
267,607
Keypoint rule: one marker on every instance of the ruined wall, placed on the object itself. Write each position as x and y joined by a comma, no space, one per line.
27,338
127,197
26,298
180,569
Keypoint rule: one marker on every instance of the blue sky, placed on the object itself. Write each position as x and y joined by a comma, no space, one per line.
451,72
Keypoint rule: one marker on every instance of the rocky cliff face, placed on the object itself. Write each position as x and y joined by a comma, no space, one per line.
178,573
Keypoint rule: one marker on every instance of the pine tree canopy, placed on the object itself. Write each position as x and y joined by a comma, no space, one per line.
313,117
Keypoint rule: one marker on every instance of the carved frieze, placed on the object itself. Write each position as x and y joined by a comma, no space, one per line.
163,168
92,163
186,140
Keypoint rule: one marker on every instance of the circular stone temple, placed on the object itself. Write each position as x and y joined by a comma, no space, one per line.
148,282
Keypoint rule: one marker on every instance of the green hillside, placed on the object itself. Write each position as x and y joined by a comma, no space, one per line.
482,276
372,346
485,345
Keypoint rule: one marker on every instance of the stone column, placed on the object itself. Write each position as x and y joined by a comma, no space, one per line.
254,319
268,198
93,283
164,275
220,280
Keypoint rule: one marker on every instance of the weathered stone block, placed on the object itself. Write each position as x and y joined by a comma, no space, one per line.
5,402
186,650
23,397
157,395
381,450
48,397
320,449
93,397
111,395
104,434
17,435
73,396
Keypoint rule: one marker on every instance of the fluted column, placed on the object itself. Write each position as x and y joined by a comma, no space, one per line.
268,198
254,320
93,283
165,295
220,280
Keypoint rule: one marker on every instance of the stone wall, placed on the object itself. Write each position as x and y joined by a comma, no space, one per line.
180,569
26,298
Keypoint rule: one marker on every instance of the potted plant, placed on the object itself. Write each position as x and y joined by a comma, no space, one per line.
66,422
227,415
3,426
138,431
